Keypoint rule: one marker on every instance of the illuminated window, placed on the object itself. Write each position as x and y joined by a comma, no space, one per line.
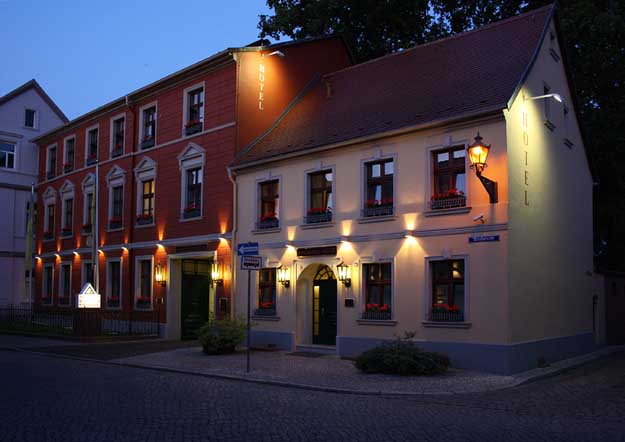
269,205
379,188
449,184
147,202
448,293
266,292
320,201
378,287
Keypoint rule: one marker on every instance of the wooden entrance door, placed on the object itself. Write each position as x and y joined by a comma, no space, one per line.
324,307
195,294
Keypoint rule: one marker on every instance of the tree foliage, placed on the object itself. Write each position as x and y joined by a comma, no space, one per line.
594,37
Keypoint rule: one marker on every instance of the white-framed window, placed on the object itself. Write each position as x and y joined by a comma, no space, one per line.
92,143
378,186
145,175
7,155
377,282
51,152
193,109
144,282
31,118
114,283
147,125
191,164
67,209
87,272
88,191
268,203
116,179
118,135
319,199
447,282
69,153
47,284
65,284
49,215
447,184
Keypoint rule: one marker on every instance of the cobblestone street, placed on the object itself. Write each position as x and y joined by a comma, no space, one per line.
54,399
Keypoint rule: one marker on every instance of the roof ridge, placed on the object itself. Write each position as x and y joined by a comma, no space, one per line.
444,39
33,84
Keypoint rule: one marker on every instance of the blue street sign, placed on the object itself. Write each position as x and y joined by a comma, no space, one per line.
247,249
485,238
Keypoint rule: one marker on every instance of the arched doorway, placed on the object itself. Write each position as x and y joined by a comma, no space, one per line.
324,307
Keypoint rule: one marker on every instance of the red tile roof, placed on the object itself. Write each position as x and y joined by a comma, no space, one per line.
464,74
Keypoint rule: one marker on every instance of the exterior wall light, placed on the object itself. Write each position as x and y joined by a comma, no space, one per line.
344,275
556,97
159,275
216,276
283,276
478,151
278,53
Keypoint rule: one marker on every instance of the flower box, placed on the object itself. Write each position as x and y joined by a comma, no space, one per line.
50,174
318,215
265,312
115,223
48,234
144,219
117,151
383,207
446,313
68,167
147,142
192,211
86,228
144,301
378,312
192,127
268,221
449,199
66,231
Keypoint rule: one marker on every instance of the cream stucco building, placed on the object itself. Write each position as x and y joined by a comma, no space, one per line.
371,221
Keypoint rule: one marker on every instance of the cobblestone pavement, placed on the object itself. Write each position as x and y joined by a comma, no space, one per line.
51,399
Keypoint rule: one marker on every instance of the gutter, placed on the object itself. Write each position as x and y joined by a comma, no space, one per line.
233,241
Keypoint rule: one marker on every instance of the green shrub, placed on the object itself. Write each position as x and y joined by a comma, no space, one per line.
219,336
403,357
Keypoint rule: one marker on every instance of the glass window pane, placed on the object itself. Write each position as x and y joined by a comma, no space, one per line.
375,170
388,168
459,153
442,157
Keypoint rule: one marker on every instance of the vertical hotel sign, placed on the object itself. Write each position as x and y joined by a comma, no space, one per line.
261,86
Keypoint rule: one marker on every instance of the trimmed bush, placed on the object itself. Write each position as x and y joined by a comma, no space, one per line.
220,336
402,357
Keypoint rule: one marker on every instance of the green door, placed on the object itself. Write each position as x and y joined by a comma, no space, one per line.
324,307
194,297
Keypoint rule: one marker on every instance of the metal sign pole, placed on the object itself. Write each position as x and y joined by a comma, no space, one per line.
249,272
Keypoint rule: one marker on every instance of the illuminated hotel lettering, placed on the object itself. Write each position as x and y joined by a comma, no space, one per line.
261,84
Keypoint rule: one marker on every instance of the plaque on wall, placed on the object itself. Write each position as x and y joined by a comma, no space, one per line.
317,251
349,303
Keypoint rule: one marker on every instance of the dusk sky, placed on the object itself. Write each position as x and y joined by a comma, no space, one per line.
87,53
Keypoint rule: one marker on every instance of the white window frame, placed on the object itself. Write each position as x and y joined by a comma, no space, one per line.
44,283
111,133
35,125
145,170
257,192
65,140
49,199
363,284
379,156
427,298
83,272
15,156
153,104
65,263
307,173
67,192
49,158
429,184
108,282
137,290
88,186
87,130
114,178
192,157
185,104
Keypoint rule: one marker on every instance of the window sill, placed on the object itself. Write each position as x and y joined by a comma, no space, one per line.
195,218
382,322
376,219
261,231
451,211
117,229
265,318
317,225
141,226
444,324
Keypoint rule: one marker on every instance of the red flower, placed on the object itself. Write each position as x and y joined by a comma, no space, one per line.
191,207
266,305
148,138
143,299
192,123
268,216
115,219
92,156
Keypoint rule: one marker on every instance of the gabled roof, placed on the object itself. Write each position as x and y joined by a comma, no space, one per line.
459,76
32,84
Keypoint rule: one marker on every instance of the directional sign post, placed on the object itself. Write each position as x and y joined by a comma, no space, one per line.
249,261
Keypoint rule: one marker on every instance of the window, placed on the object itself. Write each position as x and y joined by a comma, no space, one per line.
51,163
144,295
65,284
448,300
148,128
378,291
266,292
194,193
117,206
379,188
146,216
194,111
92,146
87,272
269,205
47,284
29,118
117,137
68,217
49,222
7,155
70,150
448,178
113,284
320,203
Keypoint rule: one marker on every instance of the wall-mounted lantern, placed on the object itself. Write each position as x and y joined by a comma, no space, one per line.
344,275
283,276
216,275
478,151
159,275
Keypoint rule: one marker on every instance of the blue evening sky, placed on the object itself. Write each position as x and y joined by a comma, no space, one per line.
85,53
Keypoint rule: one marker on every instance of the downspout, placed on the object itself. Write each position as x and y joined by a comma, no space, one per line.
233,241
131,218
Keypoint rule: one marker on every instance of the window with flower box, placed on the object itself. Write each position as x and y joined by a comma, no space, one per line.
117,207
7,155
194,111
148,127
320,198
448,292
146,214
269,205
193,197
51,162
378,287
65,284
70,153
47,284
68,217
144,272
113,283
266,292
48,228
448,179
91,151
118,132
379,188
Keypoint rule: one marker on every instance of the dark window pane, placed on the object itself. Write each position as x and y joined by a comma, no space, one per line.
29,118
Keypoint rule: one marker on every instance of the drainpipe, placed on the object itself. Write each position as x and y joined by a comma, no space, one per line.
233,240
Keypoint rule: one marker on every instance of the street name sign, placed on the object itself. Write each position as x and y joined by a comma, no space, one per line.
484,238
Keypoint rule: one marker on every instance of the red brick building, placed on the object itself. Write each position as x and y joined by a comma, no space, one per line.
165,201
